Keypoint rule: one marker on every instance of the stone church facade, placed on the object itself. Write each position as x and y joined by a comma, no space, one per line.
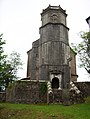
51,66
51,58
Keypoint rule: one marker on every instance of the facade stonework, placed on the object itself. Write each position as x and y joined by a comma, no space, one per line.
26,91
50,55
2,96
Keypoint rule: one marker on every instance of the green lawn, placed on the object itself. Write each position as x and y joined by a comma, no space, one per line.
44,111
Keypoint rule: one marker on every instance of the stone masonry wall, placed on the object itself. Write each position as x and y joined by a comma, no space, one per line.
36,92
84,87
26,92
2,96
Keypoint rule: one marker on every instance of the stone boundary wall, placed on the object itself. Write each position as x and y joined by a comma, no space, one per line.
26,92
2,96
84,87
88,88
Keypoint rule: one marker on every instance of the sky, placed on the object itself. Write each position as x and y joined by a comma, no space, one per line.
20,21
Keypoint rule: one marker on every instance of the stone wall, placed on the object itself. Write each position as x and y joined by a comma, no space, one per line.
88,88
84,87
57,96
26,92
2,96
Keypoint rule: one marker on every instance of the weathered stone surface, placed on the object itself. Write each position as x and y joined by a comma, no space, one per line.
84,87
53,14
65,97
26,92
2,96
76,98
57,96
79,96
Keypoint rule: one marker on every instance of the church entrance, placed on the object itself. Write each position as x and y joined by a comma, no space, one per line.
55,83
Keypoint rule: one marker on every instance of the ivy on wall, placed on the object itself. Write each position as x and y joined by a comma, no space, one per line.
43,88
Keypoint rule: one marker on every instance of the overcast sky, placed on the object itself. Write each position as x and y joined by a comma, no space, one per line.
20,21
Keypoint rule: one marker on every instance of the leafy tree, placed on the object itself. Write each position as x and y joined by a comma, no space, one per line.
15,63
2,56
83,51
9,65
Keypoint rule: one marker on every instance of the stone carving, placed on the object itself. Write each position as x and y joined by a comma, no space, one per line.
54,18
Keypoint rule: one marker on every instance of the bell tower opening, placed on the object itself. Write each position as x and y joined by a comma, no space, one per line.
55,83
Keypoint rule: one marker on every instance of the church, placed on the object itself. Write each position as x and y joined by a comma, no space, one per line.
51,65
51,58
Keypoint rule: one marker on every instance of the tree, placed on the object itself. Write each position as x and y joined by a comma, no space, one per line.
9,65
83,51
2,57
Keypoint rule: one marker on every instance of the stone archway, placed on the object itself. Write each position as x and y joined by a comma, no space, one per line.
55,83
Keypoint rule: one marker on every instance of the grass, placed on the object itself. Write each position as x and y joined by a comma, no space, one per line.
44,111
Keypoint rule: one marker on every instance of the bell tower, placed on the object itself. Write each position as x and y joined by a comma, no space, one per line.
54,16
54,49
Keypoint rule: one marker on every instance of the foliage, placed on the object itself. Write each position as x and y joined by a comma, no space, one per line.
9,65
11,85
15,63
2,56
44,111
43,88
83,50
87,100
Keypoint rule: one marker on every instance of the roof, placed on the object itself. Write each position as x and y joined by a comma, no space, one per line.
54,8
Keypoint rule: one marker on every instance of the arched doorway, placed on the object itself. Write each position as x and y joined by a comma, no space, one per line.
55,83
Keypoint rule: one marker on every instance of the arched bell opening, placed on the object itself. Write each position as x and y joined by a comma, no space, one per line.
55,83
